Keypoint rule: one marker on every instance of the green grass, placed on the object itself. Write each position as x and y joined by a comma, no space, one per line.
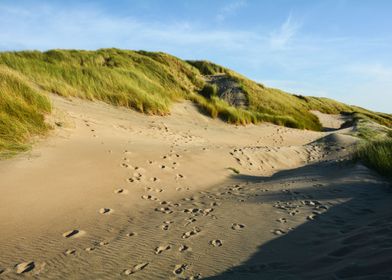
149,82
124,78
377,155
375,148
22,112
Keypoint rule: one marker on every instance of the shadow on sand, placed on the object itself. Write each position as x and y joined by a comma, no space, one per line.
352,239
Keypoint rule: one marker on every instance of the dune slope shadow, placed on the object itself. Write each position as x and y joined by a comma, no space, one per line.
350,239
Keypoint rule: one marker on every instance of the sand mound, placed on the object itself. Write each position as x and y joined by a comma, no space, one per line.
114,194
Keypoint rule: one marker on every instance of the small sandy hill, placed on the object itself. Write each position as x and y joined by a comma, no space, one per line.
115,194
330,121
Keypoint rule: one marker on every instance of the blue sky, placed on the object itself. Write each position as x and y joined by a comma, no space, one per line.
340,49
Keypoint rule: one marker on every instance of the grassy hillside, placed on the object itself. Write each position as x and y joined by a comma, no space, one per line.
145,81
274,102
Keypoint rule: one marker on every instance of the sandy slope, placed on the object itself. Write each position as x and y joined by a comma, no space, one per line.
115,194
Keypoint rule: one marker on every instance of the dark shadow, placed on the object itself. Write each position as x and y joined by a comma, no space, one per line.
349,240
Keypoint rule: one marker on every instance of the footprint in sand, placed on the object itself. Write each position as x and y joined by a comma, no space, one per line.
24,267
89,249
153,190
73,233
183,248
216,243
179,269
311,217
192,210
282,220
103,243
120,191
138,175
190,220
293,213
191,233
130,234
136,268
237,226
166,225
165,202
150,197
70,252
160,249
106,211
165,210
278,231
154,179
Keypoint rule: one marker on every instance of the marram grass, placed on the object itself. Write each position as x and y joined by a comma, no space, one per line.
148,82
22,112
377,155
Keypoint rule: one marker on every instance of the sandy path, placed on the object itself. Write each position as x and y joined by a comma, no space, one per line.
116,194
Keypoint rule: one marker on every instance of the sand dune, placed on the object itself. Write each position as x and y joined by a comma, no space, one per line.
115,194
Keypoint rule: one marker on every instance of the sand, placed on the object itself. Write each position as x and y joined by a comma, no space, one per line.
114,194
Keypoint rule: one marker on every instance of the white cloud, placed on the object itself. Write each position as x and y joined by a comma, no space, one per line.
230,9
280,38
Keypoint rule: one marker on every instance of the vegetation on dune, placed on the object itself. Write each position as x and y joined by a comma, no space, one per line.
276,106
126,78
22,111
375,148
367,129
148,82
377,155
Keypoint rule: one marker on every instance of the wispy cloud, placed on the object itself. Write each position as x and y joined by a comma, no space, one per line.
290,57
280,38
230,9
48,27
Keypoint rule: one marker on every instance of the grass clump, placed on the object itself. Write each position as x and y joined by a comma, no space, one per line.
208,68
22,112
377,155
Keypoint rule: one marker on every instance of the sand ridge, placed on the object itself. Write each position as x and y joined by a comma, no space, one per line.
114,193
